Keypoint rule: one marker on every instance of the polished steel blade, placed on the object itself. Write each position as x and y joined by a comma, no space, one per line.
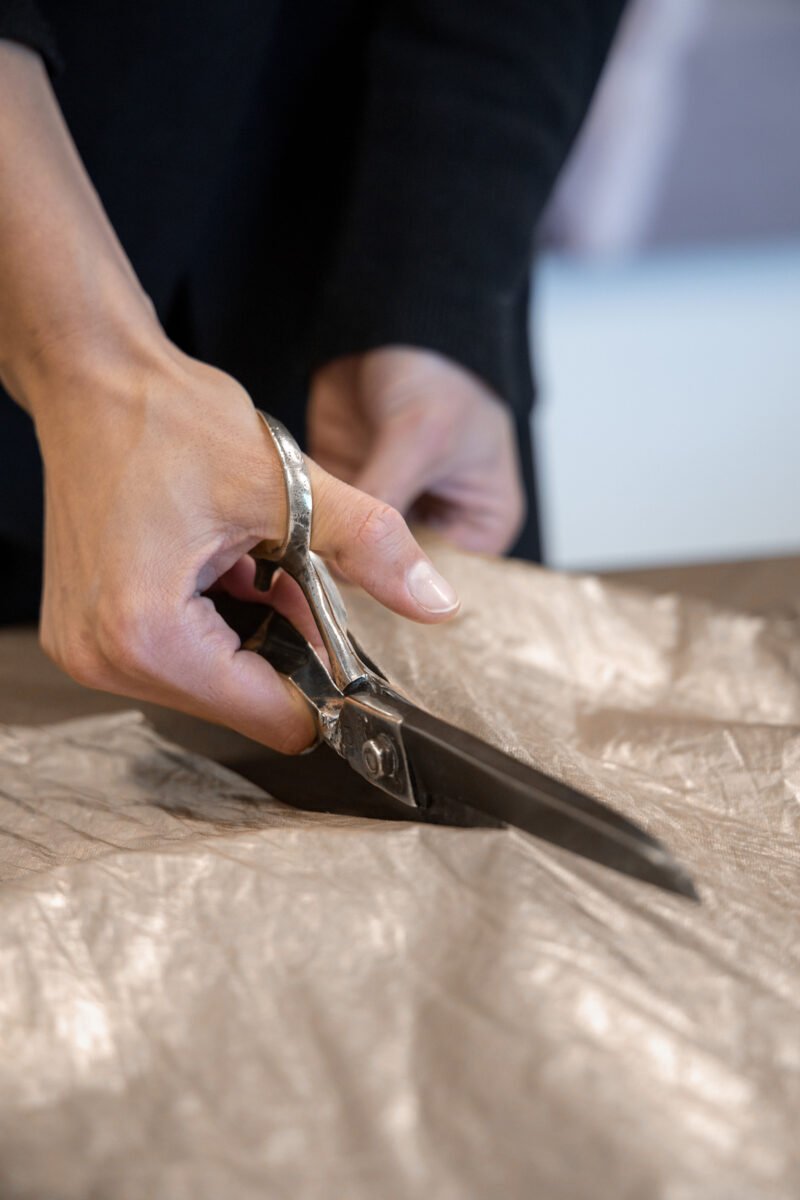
458,779
450,767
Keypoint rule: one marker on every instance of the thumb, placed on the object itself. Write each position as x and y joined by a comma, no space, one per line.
370,543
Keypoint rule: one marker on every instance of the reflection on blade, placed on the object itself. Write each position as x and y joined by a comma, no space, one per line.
453,767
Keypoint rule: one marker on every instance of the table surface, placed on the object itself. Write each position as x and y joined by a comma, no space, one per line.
33,691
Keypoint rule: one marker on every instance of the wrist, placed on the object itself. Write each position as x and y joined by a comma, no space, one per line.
56,361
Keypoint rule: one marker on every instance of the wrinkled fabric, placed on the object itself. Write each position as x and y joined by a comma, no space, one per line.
206,993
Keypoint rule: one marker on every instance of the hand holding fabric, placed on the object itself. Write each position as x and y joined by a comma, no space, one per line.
423,434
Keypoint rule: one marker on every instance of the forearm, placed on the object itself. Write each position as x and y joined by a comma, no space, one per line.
158,478
64,277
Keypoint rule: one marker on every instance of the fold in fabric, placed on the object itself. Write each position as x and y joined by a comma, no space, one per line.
206,993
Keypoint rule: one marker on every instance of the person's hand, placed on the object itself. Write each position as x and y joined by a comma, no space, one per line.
159,478
159,474
425,435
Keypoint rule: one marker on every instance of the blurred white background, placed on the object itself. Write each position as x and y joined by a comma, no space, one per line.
667,300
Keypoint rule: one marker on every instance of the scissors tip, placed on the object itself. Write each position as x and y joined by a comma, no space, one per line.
684,886
665,872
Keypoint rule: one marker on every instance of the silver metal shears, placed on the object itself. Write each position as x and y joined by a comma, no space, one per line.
439,771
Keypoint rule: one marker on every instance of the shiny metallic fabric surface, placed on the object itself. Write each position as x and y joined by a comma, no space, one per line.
206,994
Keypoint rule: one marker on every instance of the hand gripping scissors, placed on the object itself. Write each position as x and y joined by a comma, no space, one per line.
439,771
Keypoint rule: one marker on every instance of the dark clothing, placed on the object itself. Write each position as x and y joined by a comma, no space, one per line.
297,181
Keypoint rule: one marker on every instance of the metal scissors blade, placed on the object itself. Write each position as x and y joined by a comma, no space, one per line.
450,766
413,756
450,776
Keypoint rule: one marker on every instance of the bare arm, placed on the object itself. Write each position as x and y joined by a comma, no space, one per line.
63,273
158,475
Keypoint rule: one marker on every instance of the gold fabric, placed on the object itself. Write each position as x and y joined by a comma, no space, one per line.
204,993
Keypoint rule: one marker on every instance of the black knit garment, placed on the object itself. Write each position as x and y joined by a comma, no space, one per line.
298,181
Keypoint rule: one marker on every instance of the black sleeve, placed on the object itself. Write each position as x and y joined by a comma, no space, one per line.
470,107
23,21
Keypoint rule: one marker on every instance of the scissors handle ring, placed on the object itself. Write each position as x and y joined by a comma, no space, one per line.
299,502
295,556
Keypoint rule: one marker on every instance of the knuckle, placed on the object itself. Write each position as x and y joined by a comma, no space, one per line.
380,528
431,427
85,668
291,737
112,639
123,631
76,657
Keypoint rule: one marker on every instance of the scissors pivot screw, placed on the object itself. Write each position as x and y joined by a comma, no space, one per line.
379,757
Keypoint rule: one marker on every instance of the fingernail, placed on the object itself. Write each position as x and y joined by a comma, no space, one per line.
429,589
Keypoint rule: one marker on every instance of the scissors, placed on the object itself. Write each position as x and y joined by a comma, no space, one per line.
441,772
